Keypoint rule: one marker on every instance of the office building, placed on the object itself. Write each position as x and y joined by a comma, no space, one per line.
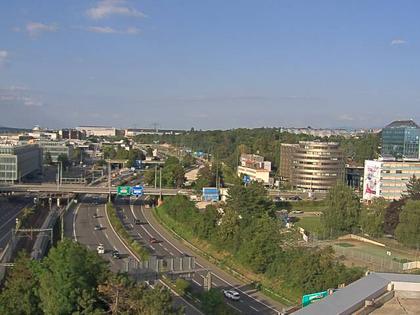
287,152
388,179
255,168
72,134
400,140
55,148
317,165
18,161
98,131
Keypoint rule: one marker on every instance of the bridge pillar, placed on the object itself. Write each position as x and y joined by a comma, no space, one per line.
58,202
160,199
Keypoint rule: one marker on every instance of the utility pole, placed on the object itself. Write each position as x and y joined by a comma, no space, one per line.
155,176
160,179
109,179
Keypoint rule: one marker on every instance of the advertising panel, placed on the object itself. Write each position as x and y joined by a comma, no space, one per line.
372,180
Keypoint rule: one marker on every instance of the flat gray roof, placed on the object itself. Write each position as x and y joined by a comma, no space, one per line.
350,298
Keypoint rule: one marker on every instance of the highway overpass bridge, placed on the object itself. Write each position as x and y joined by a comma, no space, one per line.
84,189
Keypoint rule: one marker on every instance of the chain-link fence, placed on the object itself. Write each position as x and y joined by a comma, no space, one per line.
372,262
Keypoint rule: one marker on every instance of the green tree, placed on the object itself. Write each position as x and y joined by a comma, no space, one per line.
213,303
69,276
250,201
260,243
64,159
206,224
392,215
408,230
229,230
413,188
342,211
48,159
372,217
19,296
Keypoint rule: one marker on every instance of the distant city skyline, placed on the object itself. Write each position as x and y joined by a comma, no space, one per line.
209,65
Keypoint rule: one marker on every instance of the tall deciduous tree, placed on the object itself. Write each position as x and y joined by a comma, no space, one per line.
19,296
413,188
69,275
408,230
342,211
372,217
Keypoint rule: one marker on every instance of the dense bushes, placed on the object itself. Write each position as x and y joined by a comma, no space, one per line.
249,231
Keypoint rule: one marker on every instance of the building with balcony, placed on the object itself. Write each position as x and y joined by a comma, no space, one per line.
317,165
401,140
18,161
287,153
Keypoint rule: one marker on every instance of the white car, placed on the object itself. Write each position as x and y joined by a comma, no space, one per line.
100,249
231,295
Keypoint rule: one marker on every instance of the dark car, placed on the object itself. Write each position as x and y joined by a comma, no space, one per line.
137,222
153,240
115,254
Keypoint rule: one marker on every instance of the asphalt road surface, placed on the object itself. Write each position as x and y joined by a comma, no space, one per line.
79,225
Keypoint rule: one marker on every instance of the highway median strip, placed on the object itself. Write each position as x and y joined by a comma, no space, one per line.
129,241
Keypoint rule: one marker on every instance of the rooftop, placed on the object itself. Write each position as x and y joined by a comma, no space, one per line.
352,297
402,124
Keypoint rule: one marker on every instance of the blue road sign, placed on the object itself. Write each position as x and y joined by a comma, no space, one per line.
246,179
137,190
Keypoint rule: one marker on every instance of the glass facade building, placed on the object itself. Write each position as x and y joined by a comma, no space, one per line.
17,161
400,140
55,148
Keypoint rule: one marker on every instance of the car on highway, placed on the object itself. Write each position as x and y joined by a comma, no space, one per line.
95,216
116,254
153,240
97,227
232,295
137,222
100,249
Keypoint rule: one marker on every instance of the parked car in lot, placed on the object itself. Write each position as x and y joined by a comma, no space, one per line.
232,295
295,198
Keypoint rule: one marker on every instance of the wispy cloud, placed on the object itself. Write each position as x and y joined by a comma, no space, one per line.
110,30
398,41
4,55
106,8
36,28
19,95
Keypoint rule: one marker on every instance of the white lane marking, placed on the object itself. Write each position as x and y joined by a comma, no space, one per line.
132,211
152,247
254,308
196,282
223,280
74,221
138,260
237,309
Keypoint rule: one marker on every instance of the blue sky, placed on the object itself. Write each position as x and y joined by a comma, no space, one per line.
209,64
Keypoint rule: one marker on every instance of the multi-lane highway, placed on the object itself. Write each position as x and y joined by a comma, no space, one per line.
8,214
79,224
251,302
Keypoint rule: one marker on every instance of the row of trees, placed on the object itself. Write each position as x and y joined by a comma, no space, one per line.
250,232
345,214
227,145
74,280
119,153
171,175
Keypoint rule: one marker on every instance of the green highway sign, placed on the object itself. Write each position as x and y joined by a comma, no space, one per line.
123,190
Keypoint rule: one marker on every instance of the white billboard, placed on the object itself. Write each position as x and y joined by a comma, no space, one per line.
372,179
